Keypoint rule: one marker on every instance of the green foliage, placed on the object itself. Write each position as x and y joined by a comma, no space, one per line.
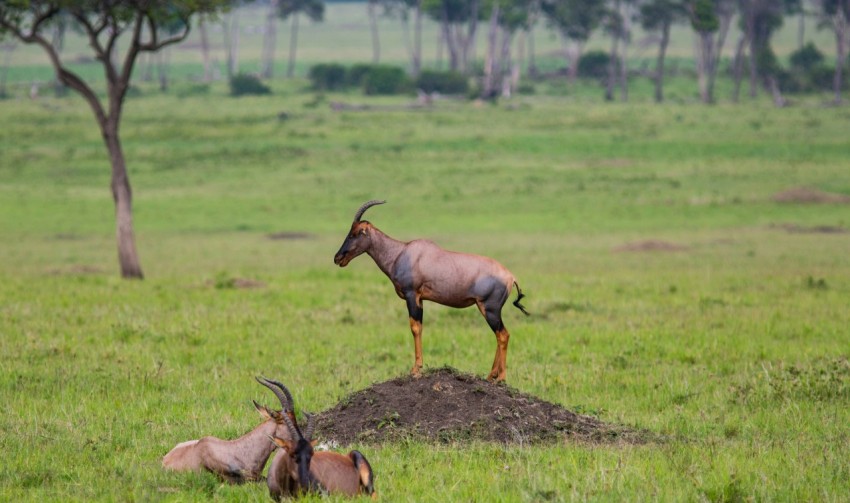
807,57
808,73
445,82
575,19
704,17
385,79
244,84
327,76
594,64
357,73
313,9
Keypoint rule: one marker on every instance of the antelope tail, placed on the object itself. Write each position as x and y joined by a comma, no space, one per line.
519,296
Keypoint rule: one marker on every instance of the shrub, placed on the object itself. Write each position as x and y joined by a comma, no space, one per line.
593,64
357,73
385,80
807,57
244,84
327,76
442,82
195,89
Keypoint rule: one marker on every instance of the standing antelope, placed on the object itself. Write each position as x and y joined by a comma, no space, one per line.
239,460
297,468
421,270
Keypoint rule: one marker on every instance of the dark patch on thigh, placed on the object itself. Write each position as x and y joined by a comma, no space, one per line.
491,291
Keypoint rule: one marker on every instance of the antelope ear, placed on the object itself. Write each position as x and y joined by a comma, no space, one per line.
284,444
262,410
313,443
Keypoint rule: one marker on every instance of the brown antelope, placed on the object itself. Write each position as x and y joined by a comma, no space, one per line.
239,460
421,270
297,468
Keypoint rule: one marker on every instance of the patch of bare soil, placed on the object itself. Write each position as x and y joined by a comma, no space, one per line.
650,245
816,229
289,235
445,405
806,195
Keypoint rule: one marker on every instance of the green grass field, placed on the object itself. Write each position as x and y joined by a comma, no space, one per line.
733,350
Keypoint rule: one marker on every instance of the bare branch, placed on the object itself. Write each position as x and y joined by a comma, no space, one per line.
155,44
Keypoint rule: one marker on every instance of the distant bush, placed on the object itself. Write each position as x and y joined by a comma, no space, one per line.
373,79
808,73
593,64
355,75
196,89
442,82
244,84
807,57
327,76
383,79
526,88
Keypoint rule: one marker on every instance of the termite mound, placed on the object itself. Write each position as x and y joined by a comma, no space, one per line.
447,406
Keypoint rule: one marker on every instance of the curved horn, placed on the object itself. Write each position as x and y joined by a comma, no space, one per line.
281,392
293,429
365,207
311,423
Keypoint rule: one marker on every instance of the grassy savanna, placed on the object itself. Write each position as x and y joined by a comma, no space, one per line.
732,352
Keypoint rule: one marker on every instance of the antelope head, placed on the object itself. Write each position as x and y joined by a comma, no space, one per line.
358,239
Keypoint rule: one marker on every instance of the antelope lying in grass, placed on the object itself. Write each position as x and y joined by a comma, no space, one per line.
421,270
297,468
239,460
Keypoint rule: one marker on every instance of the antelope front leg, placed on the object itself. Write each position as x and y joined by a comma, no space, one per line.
414,309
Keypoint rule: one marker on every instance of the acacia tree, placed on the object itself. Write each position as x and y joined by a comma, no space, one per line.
139,23
401,9
575,20
458,26
710,17
835,14
313,9
660,15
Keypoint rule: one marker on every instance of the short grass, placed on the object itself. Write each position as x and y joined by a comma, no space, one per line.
735,350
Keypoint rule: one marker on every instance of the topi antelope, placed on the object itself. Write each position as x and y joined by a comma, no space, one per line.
421,270
239,460
297,468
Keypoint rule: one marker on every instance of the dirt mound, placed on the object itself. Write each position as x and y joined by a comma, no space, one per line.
650,245
808,195
816,229
445,405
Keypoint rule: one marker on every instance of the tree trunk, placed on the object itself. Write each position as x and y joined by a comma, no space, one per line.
7,58
449,41
738,67
532,64
417,39
504,66
231,43
128,258
293,44
751,40
840,25
659,66
162,69
490,59
205,49
269,41
778,99
716,51
612,68
373,24
468,47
